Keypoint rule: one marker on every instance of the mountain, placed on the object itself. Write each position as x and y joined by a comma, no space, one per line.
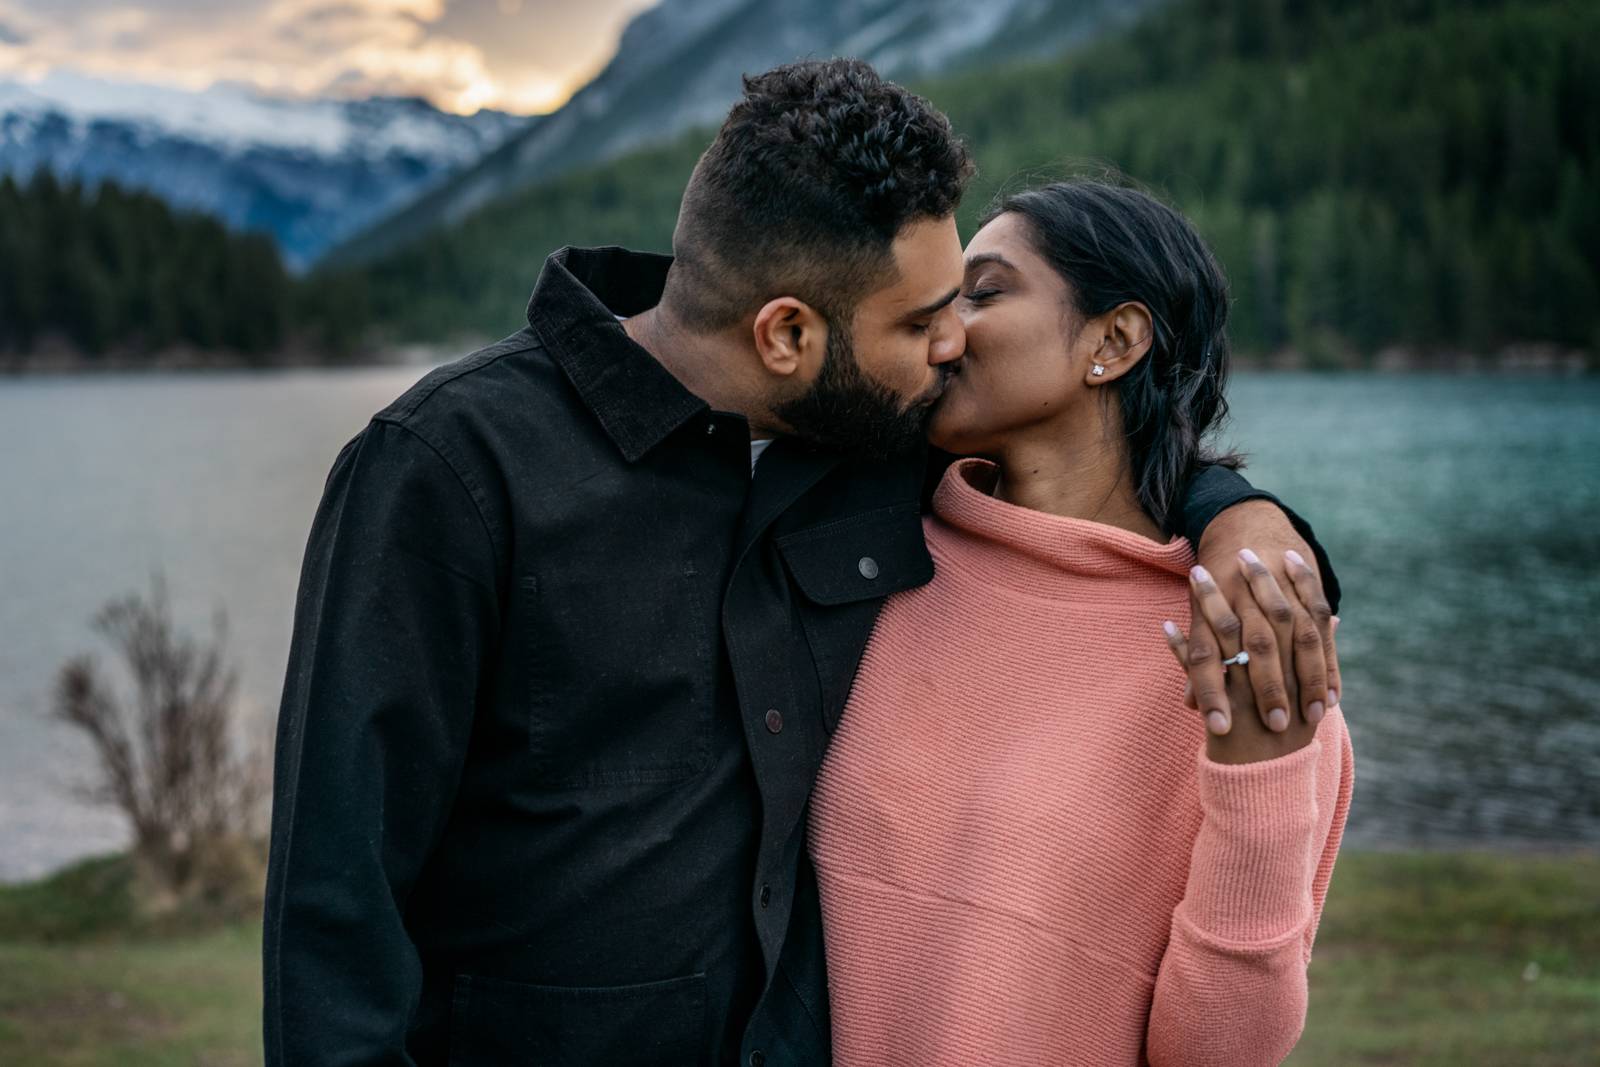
1420,177
678,66
308,172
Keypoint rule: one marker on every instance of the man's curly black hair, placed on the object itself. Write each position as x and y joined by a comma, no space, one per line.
815,171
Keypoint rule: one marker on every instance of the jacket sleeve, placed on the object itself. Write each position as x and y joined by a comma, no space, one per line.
395,618
1214,489
1231,990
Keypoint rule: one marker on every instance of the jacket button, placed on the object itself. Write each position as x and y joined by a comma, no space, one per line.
774,720
868,567
758,1058
766,895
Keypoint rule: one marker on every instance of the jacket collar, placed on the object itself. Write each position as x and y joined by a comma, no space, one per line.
573,310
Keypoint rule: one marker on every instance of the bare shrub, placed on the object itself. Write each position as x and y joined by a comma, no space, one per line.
170,757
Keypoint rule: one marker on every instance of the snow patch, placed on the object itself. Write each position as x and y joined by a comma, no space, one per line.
234,118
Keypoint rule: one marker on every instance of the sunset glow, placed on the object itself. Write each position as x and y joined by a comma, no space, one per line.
524,56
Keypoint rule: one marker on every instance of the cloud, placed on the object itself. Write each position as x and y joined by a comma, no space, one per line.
521,55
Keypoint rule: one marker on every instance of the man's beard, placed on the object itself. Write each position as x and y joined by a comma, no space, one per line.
846,409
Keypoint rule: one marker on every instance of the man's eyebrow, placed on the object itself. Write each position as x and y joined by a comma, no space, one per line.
990,257
942,302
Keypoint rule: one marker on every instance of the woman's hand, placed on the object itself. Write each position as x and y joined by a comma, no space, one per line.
1293,664
1247,735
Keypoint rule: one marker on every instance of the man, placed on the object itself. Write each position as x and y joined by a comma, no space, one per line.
564,668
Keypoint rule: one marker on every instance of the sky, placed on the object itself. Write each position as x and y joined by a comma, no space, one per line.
525,56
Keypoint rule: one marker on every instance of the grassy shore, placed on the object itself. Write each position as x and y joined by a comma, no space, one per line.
1448,959
1423,959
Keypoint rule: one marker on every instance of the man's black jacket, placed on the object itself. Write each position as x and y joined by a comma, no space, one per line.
561,677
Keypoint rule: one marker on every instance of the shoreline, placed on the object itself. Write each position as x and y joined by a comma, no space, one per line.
1534,359
1505,848
1431,961
61,362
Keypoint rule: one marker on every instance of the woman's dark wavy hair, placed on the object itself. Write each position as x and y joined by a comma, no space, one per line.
1112,244
815,171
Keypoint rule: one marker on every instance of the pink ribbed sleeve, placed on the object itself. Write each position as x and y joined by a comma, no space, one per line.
1232,986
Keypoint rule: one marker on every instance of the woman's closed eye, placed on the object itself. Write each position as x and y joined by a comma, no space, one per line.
978,296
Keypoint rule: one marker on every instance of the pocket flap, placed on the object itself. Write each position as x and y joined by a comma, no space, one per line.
859,558
495,1021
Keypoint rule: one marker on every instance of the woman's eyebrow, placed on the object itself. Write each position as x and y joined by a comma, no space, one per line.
989,257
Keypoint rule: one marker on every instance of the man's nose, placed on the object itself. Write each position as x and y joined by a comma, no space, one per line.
949,340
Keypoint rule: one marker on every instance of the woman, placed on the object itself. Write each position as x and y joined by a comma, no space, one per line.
1029,850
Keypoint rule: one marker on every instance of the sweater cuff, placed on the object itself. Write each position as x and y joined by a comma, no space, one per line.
1255,856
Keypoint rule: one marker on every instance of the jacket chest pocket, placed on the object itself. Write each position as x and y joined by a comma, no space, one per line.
619,672
844,570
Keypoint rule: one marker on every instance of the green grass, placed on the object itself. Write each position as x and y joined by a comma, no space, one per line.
89,978
89,899
193,1000
1428,959
1423,959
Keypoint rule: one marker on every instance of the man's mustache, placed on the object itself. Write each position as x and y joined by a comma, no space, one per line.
935,392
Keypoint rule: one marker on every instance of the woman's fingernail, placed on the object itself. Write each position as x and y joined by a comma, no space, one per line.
1217,722
1335,627
1333,697
1200,574
1249,556
1315,712
1171,628
1294,557
1277,720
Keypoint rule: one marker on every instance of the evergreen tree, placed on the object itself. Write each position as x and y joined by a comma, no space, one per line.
1370,172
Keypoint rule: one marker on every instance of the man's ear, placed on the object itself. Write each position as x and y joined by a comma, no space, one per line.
1126,334
790,337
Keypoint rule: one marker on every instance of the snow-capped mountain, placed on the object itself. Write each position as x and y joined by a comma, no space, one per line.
679,64
309,172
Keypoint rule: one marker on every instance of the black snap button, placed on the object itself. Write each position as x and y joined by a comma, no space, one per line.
774,720
868,567
711,428
766,895
758,1058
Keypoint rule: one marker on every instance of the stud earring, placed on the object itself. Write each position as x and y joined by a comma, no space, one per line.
1098,370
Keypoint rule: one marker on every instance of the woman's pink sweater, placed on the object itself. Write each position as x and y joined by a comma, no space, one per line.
1024,853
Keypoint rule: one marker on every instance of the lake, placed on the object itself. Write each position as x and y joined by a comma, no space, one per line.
1463,515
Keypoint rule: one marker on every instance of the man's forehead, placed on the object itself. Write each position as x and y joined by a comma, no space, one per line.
927,265
927,239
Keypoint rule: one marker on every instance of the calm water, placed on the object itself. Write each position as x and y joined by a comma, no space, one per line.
1463,514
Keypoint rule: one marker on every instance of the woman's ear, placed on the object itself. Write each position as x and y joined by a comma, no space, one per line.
790,337
1126,333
